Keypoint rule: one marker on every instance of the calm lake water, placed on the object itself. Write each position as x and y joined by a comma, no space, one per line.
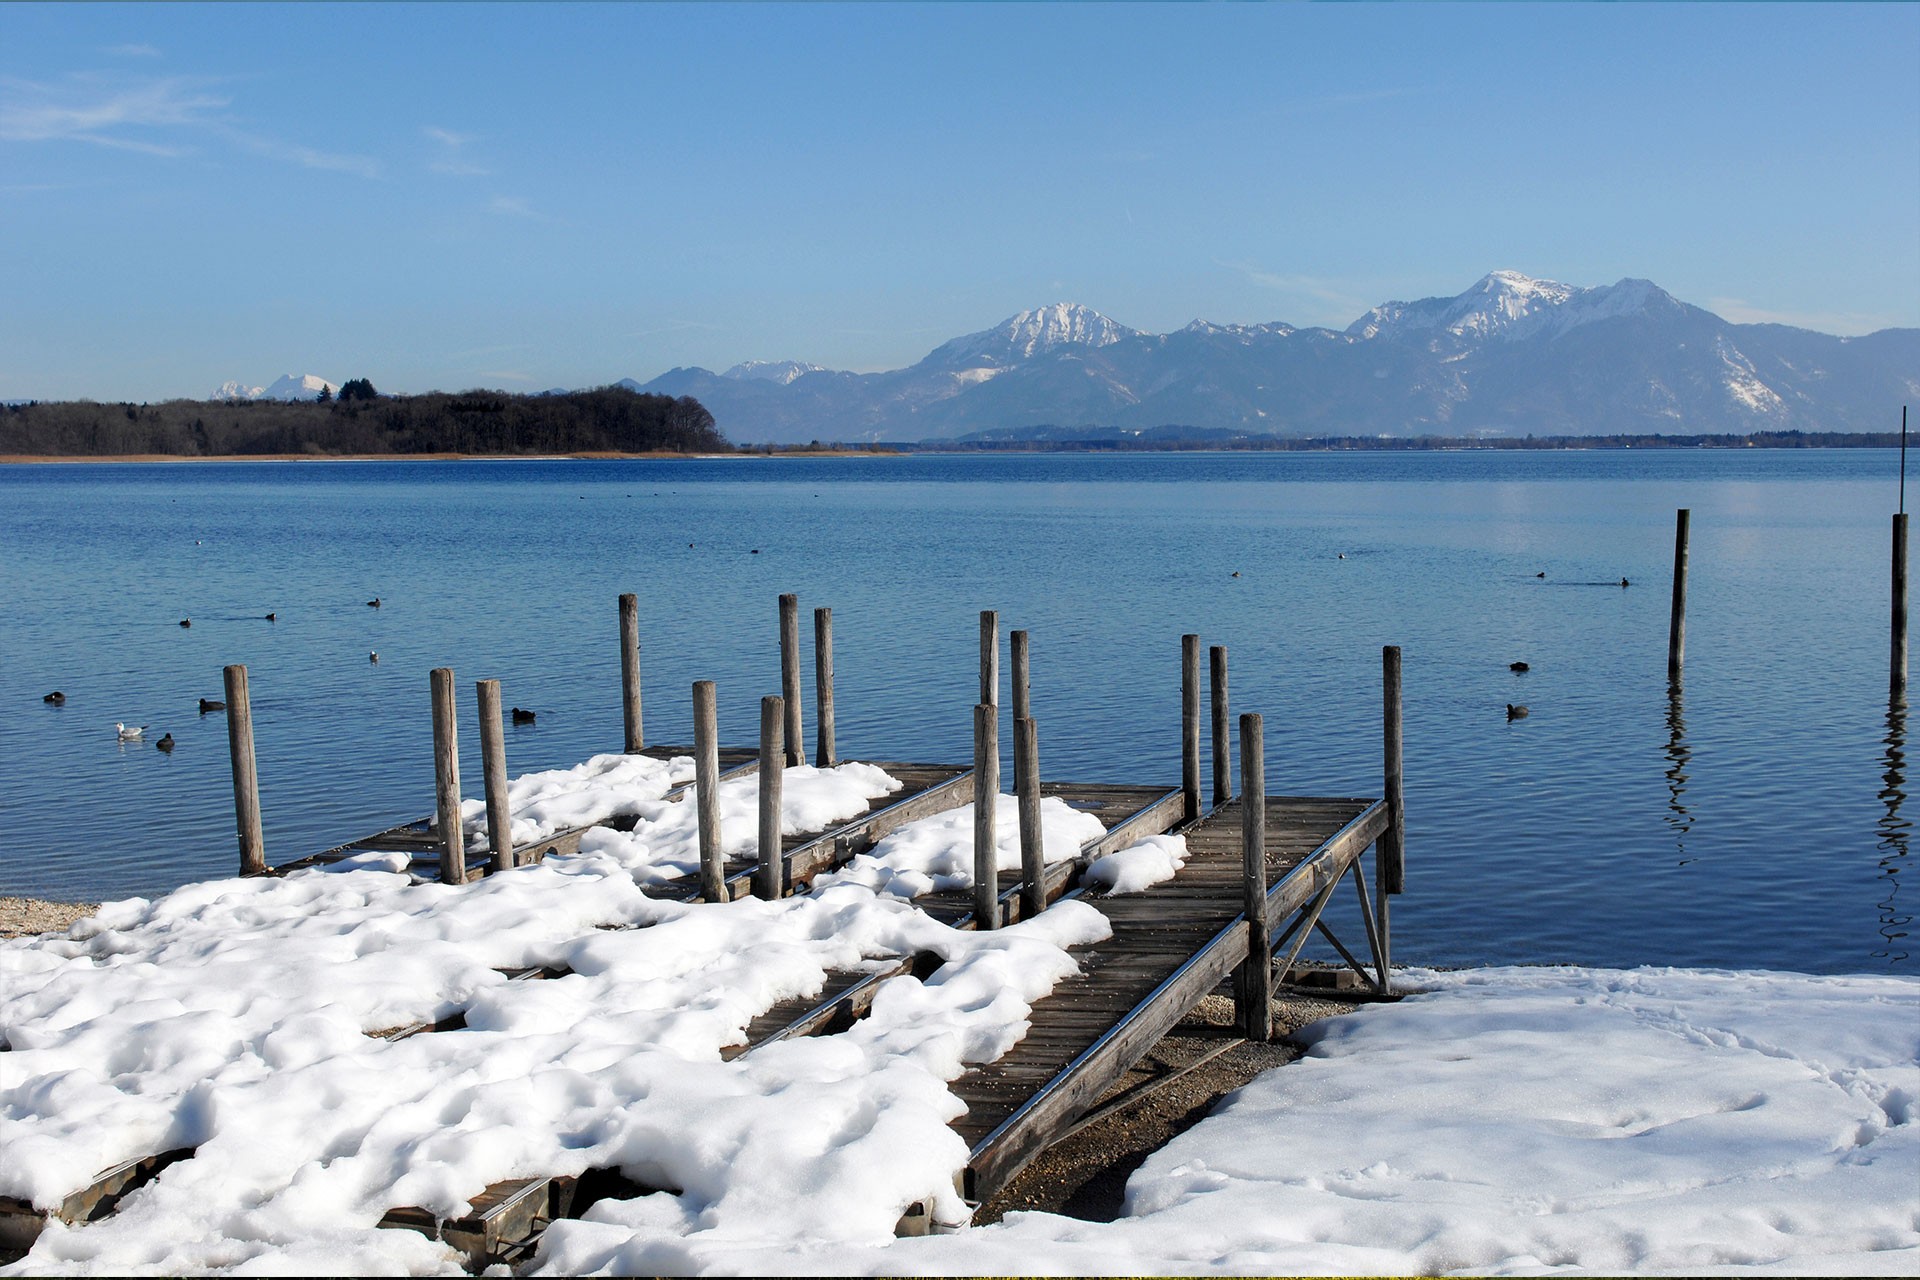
1756,818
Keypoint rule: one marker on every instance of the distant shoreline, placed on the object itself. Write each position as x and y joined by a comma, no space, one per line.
585,456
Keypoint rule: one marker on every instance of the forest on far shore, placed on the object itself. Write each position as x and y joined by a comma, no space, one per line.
603,420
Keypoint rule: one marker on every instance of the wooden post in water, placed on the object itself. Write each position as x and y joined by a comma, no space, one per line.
446,777
769,877
1222,748
990,657
986,800
1677,629
1033,853
1897,683
1255,988
706,788
790,677
824,751
1190,725
246,781
1022,683
630,670
493,765
1390,850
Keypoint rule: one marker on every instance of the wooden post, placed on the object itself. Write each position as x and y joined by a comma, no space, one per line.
1677,629
824,754
1190,725
1033,853
446,776
246,782
493,764
986,801
769,877
1222,748
1022,681
1255,988
630,670
1897,685
790,677
1390,850
990,657
706,788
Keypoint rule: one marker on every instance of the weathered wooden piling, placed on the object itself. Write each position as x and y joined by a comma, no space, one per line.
1254,991
769,877
990,657
706,790
1190,725
1677,628
1033,853
986,800
790,677
493,766
1391,851
246,781
824,754
1022,674
1897,682
630,670
1222,747
446,776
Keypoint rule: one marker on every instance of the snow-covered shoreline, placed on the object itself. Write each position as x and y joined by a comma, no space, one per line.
1507,1120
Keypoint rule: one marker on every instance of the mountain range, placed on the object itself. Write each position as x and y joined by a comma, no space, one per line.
285,387
1511,356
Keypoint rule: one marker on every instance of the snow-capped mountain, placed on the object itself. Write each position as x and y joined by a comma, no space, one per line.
285,387
1021,337
1511,355
780,371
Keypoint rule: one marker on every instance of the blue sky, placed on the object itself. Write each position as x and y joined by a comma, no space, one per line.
447,196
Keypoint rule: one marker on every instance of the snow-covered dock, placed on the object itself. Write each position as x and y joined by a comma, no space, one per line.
567,1029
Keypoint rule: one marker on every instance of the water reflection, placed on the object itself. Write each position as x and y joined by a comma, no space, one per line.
1679,754
1893,830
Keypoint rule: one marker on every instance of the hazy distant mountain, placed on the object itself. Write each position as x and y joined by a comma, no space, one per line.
1510,356
285,387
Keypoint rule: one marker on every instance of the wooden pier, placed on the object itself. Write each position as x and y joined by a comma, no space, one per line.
1259,872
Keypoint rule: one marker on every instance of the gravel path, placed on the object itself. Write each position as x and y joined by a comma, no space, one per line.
22,916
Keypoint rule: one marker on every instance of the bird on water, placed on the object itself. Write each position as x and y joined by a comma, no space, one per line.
165,743
1516,713
129,732
186,622
373,657
57,698
522,716
1518,666
272,617
374,603
209,704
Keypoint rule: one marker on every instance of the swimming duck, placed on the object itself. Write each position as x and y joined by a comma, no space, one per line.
373,657
1516,713
57,698
165,743
374,603
1518,666
522,716
272,617
208,704
186,622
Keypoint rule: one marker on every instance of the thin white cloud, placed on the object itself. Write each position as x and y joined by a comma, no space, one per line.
1740,311
1333,295
513,207
167,116
133,51
452,161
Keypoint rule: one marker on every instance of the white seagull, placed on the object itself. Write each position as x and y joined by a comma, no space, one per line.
129,733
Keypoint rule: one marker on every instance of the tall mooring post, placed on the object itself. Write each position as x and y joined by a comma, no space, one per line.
1897,681
1222,750
1677,627
823,746
1254,988
769,877
630,671
493,767
1033,853
790,677
446,778
986,804
990,657
706,788
246,782
1190,727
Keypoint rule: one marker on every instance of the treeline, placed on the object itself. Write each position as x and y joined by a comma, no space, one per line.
1171,440
604,420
